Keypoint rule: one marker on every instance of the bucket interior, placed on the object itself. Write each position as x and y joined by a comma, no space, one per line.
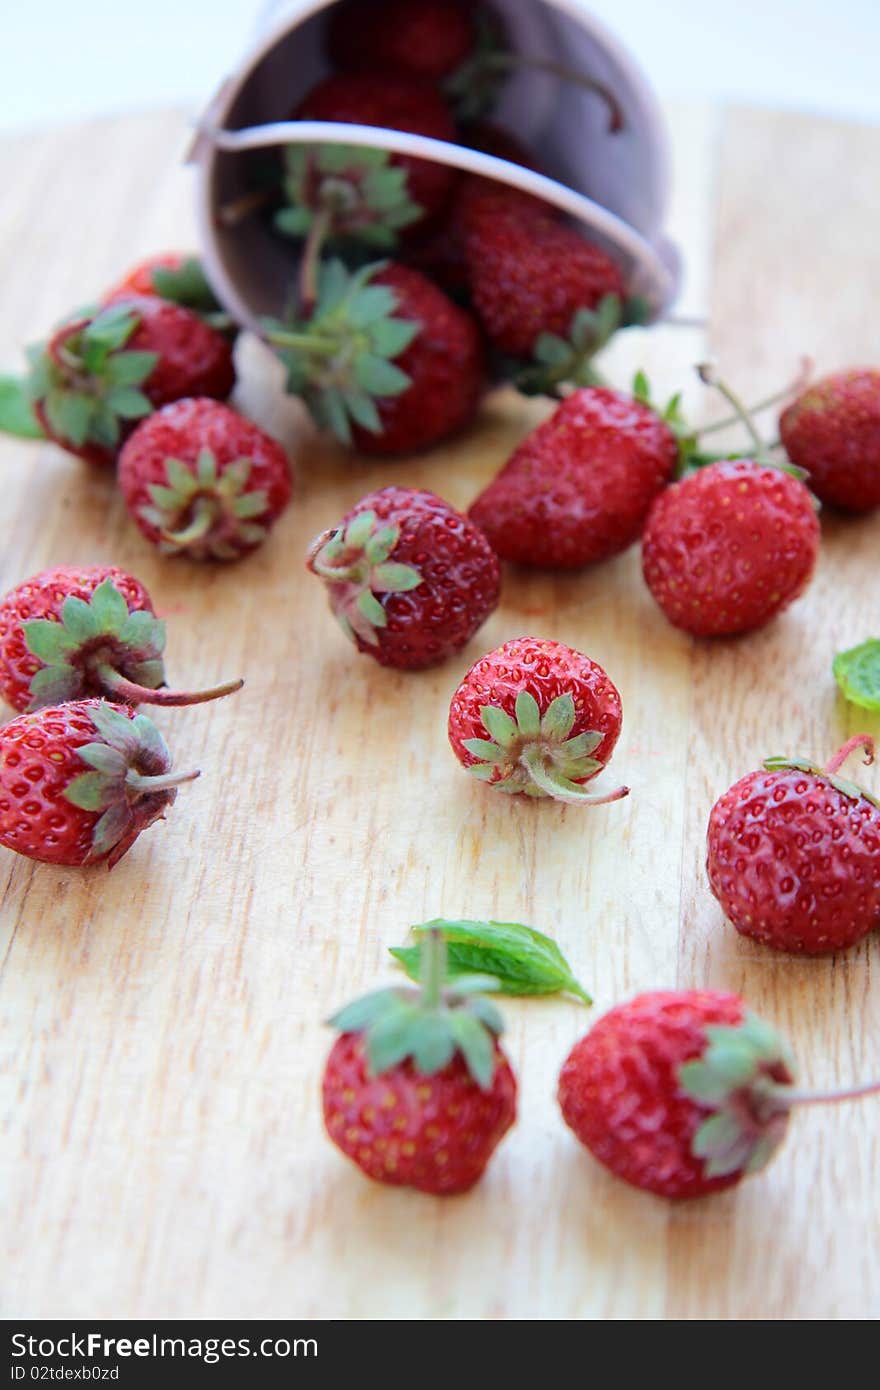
566,126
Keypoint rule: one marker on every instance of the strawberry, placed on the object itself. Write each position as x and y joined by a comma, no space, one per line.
79,782
530,276
678,1093
683,1093
386,360
70,633
100,373
201,480
424,39
552,717
833,431
392,103
579,487
409,578
794,854
175,276
417,1091
729,547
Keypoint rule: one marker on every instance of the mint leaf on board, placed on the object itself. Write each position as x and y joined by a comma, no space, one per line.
16,413
522,960
857,672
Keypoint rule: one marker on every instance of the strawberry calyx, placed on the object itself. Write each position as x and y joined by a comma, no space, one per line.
130,782
355,564
99,647
829,773
746,1080
532,753
204,512
429,1025
568,361
85,380
741,1079
340,360
187,285
359,194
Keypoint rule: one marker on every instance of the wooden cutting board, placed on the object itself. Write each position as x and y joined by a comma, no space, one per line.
163,1041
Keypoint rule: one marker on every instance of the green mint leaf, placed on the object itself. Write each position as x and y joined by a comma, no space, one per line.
857,672
523,960
16,414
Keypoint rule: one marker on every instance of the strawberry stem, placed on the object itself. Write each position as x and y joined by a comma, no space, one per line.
204,516
707,375
433,967
311,259
139,782
793,388
792,1096
237,209
858,741
513,62
534,760
136,694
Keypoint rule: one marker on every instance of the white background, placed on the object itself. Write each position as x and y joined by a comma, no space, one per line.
65,59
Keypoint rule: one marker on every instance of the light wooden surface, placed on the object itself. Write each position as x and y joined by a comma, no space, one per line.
162,1038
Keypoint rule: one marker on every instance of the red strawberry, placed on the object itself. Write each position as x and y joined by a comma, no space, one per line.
794,855
392,103
679,1093
175,276
409,578
417,1092
99,374
69,633
425,39
201,480
386,360
530,275
833,431
579,487
552,717
729,547
79,782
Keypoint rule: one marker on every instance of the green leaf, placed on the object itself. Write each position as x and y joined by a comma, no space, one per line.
70,415
359,530
79,619
371,609
130,368
143,631
380,377
185,284
391,337
528,715
128,402
559,717
357,1016
48,640
16,413
110,828
393,578
857,672
483,749
432,1042
108,761
476,1046
523,960
93,791
109,608
55,685
499,724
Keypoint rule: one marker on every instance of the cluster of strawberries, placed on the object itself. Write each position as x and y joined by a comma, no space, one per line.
680,1093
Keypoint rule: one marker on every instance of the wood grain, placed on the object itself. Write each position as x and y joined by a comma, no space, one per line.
162,1039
